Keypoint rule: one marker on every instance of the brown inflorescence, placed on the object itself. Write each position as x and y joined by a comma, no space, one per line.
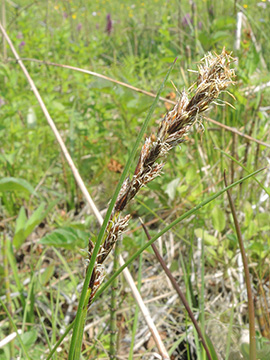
214,76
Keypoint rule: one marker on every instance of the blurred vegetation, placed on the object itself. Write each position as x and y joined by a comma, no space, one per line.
134,42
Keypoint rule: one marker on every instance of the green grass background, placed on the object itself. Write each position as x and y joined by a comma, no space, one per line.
99,122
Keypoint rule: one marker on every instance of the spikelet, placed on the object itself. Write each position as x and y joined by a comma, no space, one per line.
214,76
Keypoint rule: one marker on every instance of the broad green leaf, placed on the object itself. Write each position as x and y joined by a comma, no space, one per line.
211,255
8,158
24,226
223,22
263,220
218,218
171,188
29,337
56,105
208,239
257,247
15,184
67,238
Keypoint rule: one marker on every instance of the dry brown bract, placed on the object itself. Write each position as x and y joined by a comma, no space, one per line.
214,76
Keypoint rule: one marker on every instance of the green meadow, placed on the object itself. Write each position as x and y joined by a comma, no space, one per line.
98,67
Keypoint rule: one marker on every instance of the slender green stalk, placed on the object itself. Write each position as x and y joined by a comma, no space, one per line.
251,311
190,300
4,24
136,315
28,300
144,247
179,292
114,288
12,262
79,335
167,228
85,295
246,169
214,76
229,336
195,26
202,317
70,326
7,286
16,330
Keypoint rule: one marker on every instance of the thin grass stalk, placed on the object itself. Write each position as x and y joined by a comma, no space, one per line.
251,311
214,76
136,315
56,307
13,265
150,323
113,306
179,292
202,308
168,227
264,306
146,245
233,154
190,300
230,335
246,169
29,299
4,24
7,288
77,177
261,317
179,26
90,282
41,322
226,127
16,330
195,26
58,343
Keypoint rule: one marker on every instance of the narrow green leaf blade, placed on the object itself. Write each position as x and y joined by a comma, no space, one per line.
19,236
15,184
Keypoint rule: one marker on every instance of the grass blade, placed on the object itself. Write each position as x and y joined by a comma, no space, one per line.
184,216
75,341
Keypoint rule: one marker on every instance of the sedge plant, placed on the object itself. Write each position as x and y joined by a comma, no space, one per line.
214,76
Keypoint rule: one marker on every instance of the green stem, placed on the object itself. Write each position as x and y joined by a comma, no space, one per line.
7,286
179,292
175,222
132,258
136,315
114,287
84,296
16,330
251,311
70,326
